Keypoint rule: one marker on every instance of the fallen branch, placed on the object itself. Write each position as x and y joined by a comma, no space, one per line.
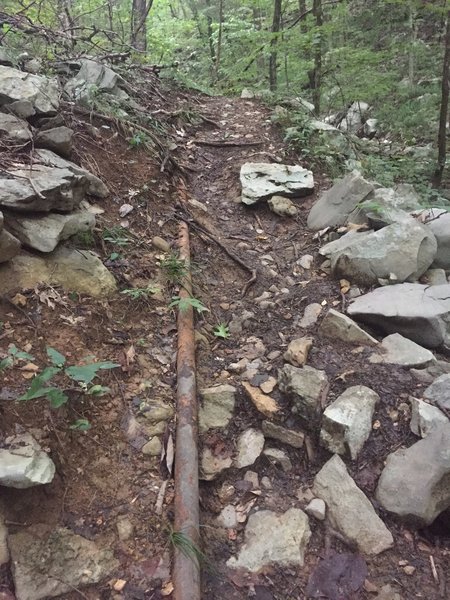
225,143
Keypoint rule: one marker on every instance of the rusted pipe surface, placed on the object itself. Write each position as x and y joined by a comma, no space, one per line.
186,575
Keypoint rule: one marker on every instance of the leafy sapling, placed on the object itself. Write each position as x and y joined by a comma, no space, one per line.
13,356
184,303
222,331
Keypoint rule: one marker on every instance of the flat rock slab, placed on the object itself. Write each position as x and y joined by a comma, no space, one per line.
403,251
398,350
305,387
349,511
336,325
273,539
418,312
44,232
23,463
261,181
286,436
78,271
217,406
347,422
334,206
47,564
41,92
56,139
438,392
14,129
415,483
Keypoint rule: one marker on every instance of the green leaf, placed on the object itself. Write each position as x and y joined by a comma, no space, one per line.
86,373
48,373
24,356
98,390
81,425
222,331
56,357
57,397
6,362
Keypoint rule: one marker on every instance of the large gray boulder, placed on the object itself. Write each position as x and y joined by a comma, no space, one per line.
42,92
14,130
347,422
349,511
415,483
71,562
402,251
261,181
438,221
92,78
418,312
23,463
9,245
438,392
355,117
305,386
273,539
334,206
387,206
44,232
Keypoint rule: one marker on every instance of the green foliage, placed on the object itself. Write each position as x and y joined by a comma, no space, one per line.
174,268
141,293
82,375
184,303
13,356
222,331
138,139
117,236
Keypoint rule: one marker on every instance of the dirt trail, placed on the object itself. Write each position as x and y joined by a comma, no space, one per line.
103,476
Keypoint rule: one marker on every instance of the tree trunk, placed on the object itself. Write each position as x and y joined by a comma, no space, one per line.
276,24
302,11
209,30
412,43
219,41
139,14
442,134
317,71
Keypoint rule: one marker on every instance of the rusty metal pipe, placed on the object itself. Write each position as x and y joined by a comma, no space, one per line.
186,575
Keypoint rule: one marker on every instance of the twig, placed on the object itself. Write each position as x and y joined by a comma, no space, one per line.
433,570
221,143
160,498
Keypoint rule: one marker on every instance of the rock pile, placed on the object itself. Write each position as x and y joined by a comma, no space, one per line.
42,202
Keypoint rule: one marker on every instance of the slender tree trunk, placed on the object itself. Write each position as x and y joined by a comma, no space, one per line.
317,71
301,11
209,30
276,24
65,16
139,14
412,44
219,40
442,134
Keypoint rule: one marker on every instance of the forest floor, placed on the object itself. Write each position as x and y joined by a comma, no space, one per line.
101,475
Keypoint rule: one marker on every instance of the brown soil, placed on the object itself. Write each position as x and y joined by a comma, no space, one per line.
99,474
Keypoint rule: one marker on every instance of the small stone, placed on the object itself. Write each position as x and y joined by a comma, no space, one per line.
387,592
266,483
425,417
297,351
125,528
156,410
211,466
228,517
335,325
282,206
279,457
310,315
273,356
152,448
435,277
272,538
253,478
347,422
249,446
409,570
160,244
306,261
304,494
286,436
305,386
317,509
265,404
23,463
217,406
268,386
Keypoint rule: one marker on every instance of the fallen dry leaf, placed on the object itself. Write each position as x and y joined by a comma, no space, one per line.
19,300
130,355
167,589
119,585
30,367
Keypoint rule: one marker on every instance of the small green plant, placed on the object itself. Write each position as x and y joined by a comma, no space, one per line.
222,331
114,256
13,356
184,303
174,267
80,425
117,235
141,293
138,139
85,239
82,375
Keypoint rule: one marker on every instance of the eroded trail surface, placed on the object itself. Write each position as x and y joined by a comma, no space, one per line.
260,277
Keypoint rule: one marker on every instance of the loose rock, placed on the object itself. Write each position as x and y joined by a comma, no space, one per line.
279,457
265,404
41,92
14,129
317,509
349,511
398,350
249,447
282,206
217,406
305,387
439,392
425,417
286,436
261,181
211,465
310,316
9,245
58,139
297,351
347,422
273,539
23,463
415,483
335,325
